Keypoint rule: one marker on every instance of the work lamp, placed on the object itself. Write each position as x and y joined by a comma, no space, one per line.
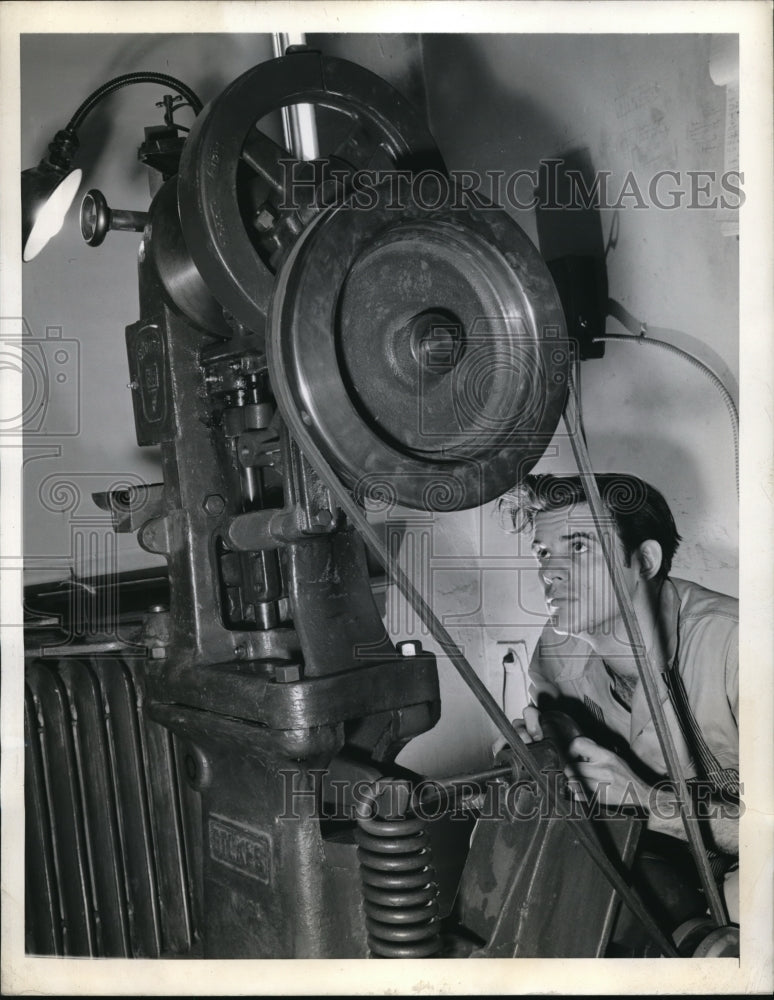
48,190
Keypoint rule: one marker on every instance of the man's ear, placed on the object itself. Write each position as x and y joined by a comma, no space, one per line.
650,557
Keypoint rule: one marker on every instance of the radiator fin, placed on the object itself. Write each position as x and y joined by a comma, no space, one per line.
108,871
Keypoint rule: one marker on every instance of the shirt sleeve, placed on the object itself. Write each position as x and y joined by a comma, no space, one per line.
709,675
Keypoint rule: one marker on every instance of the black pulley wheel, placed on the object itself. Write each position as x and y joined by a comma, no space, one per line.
425,349
224,138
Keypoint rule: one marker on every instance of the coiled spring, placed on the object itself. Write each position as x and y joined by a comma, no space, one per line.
399,888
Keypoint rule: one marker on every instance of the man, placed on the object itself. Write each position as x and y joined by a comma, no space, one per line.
584,664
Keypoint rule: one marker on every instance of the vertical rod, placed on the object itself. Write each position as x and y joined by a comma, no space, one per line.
298,120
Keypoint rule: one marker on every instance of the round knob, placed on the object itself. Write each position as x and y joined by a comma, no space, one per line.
97,218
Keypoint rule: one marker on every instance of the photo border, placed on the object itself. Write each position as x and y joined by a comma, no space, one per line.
751,19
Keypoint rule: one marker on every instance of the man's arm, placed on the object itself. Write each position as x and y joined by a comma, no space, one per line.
600,776
721,819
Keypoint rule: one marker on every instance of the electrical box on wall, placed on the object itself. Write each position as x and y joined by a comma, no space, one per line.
582,285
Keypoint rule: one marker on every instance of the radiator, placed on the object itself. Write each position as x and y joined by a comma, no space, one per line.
111,826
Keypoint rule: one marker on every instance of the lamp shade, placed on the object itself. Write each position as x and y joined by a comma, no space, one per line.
47,192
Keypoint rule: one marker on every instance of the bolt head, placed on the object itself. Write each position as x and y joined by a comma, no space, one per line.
323,518
158,653
214,504
264,220
411,647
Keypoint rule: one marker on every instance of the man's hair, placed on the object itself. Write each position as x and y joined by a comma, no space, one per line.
639,512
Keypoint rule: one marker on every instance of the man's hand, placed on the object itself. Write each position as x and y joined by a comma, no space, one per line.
528,729
601,777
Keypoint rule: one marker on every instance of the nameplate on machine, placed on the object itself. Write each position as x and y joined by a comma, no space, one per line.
151,397
241,848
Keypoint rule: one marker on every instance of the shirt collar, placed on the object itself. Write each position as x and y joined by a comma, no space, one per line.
567,654
663,647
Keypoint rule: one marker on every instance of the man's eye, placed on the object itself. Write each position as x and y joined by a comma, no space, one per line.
578,545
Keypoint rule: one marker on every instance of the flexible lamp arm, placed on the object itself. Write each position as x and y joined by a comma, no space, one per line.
65,143
118,82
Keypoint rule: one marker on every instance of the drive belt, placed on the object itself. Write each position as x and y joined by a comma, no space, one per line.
645,670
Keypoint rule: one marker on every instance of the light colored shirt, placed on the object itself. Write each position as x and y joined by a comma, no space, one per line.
700,632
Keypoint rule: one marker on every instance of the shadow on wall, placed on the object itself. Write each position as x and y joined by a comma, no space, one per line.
479,123
484,124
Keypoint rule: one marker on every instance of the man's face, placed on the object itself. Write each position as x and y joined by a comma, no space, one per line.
576,582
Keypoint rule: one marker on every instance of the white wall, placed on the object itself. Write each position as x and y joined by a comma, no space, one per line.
495,102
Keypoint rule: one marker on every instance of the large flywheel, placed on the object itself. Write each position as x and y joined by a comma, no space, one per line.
421,340
223,227
425,348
